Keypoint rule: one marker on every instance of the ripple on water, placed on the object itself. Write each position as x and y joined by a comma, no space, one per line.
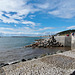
25,53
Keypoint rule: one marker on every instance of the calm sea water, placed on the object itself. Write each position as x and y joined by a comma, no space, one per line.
11,49
10,43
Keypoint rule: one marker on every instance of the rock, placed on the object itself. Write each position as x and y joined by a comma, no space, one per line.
51,42
15,62
45,46
35,57
2,64
6,64
43,55
48,53
39,45
34,46
73,73
29,59
59,51
61,45
23,60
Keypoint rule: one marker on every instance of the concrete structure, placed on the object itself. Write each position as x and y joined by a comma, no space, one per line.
64,40
73,43
67,41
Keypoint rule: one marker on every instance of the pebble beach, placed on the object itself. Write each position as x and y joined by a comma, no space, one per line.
57,64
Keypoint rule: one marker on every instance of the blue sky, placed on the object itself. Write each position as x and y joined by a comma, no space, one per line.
36,17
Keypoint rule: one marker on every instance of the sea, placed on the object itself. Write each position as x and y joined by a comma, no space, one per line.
12,49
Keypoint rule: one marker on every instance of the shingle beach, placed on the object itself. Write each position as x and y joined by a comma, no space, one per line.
57,64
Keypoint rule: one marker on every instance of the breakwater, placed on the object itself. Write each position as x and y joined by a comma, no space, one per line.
64,40
73,43
50,42
57,41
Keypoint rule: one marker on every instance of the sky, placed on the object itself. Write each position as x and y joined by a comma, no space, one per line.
36,17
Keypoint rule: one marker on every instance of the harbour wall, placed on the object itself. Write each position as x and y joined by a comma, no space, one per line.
64,40
73,43
67,41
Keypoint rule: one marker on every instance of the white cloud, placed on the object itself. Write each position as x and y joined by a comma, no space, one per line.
23,30
64,9
19,30
32,16
43,6
21,8
5,20
25,8
29,23
15,16
71,27
48,33
2,29
58,8
12,5
46,28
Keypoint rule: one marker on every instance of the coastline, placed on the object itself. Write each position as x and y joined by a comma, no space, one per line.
40,48
37,53
16,53
57,64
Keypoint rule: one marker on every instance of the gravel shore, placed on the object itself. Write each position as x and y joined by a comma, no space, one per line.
57,64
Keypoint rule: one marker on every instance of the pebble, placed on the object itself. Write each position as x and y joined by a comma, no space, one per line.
57,64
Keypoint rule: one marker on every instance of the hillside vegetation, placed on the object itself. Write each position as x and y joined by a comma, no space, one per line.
66,32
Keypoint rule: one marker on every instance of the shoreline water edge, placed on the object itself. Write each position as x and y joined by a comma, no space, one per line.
58,63
40,43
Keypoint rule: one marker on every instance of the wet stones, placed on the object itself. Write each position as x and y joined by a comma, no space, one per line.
29,59
43,55
35,57
3,64
23,60
16,62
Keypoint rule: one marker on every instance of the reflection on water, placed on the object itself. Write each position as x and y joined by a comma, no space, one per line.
25,53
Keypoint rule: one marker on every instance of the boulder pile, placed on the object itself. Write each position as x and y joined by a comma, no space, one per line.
51,42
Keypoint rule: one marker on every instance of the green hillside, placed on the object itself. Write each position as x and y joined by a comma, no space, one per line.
66,32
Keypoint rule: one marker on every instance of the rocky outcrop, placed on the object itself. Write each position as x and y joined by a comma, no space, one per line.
51,42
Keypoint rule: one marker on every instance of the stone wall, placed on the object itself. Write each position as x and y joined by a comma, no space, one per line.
68,41
73,43
64,40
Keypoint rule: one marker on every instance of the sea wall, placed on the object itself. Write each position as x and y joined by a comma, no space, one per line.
64,40
73,43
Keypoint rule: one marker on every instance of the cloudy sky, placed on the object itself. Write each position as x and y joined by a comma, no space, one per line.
36,17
